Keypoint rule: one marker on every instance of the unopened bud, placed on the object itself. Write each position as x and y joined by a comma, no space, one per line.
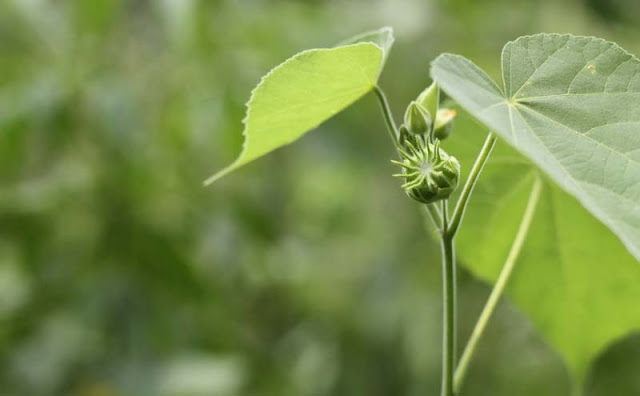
417,119
429,98
444,123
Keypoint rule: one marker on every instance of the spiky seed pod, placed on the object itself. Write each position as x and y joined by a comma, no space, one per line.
430,173
417,119
444,123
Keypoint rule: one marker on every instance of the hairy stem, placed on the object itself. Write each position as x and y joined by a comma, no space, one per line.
388,116
461,205
499,287
449,305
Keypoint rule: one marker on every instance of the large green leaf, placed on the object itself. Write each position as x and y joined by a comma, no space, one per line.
574,279
572,105
306,90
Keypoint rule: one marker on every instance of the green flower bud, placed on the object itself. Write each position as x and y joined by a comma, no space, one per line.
406,136
430,173
417,119
429,98
444,123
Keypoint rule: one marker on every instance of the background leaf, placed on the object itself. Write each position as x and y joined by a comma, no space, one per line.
572,105
306,90
574,278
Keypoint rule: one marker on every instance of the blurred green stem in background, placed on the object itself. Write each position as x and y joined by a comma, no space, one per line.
500,285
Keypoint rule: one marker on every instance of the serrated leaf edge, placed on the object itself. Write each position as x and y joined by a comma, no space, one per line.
238,161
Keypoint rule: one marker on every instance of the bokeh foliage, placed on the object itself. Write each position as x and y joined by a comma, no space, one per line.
306,274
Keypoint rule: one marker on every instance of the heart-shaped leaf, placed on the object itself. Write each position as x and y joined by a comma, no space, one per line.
572,105
573,277
306,90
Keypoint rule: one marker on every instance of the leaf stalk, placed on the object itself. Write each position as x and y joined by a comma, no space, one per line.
388,116
470,183
498,289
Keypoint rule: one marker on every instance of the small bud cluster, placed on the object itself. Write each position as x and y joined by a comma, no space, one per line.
430,173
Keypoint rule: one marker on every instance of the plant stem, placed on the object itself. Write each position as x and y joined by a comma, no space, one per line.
461,205
449,230
434,215
499,287
449,305
388,116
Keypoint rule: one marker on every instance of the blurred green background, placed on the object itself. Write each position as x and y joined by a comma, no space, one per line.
307,273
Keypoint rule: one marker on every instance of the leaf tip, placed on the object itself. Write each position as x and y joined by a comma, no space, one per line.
381,38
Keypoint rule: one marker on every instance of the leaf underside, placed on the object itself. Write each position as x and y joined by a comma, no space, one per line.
572,105
306,90
569,104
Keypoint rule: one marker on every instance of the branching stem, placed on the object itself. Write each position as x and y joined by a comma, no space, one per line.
461,205
448,229
448,233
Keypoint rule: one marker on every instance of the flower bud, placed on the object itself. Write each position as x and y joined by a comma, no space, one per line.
406,136
429,98
444,123
430,173
417,119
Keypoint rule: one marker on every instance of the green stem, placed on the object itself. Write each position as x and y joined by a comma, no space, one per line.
499,287
434,215
461,205
388,116
449,230
449,306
